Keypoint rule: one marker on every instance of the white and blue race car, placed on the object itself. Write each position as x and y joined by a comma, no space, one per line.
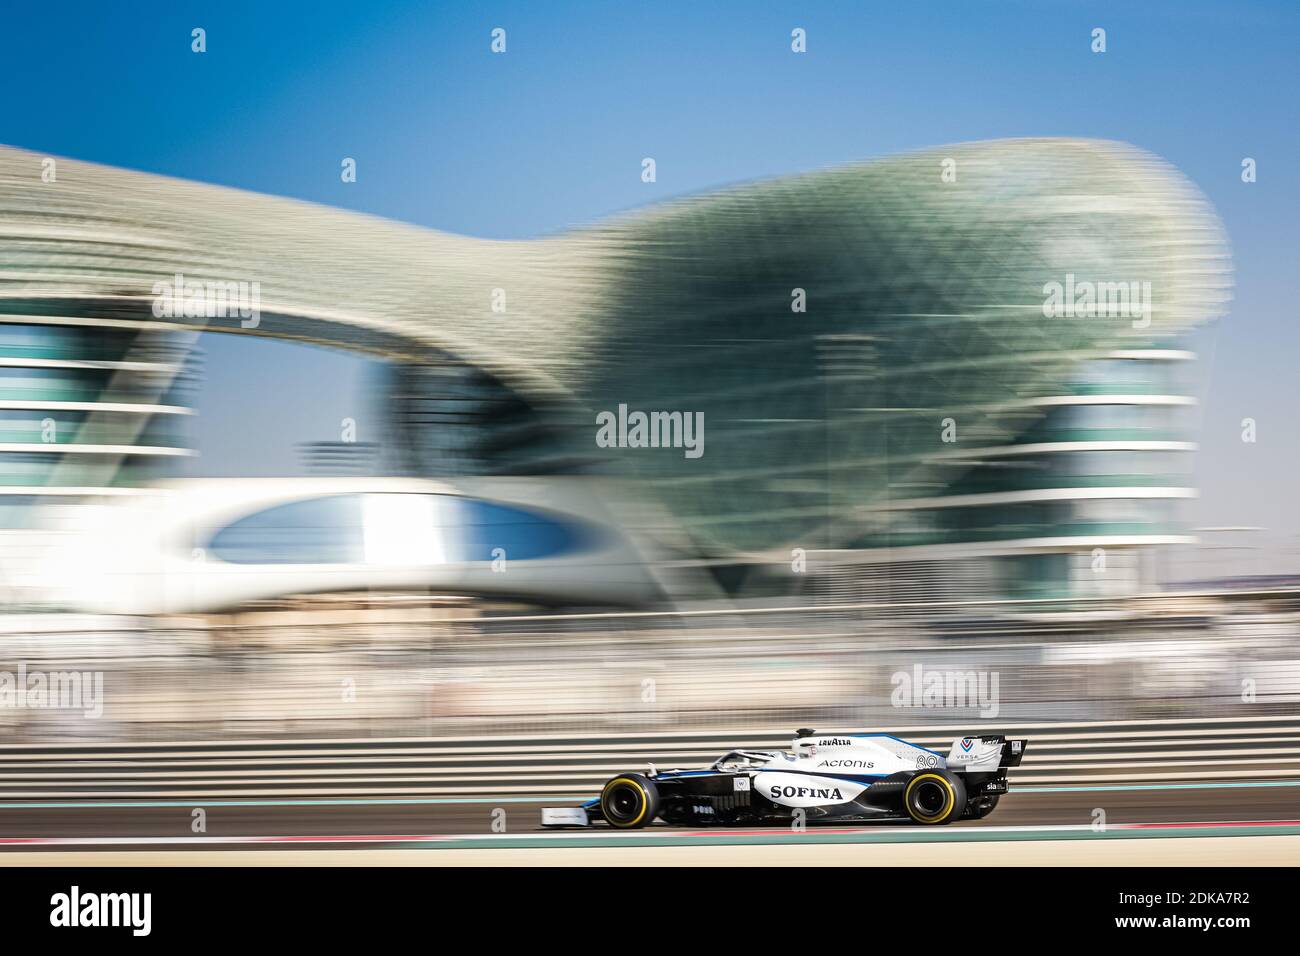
846,778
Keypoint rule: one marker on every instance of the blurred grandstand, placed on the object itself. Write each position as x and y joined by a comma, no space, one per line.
358,665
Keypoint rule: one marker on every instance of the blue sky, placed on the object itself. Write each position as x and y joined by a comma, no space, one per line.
448,135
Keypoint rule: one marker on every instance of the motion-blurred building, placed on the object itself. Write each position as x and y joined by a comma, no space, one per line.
950,373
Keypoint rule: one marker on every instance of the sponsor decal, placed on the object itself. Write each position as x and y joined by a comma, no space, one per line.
834,742
740,783
804,790
825,793
967,743
848,762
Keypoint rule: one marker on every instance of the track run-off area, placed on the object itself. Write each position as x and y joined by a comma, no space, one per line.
1156,792
1249,823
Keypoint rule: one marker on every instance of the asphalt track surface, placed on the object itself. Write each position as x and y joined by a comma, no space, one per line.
370,821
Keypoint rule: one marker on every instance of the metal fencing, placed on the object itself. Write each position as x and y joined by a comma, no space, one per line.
1094,754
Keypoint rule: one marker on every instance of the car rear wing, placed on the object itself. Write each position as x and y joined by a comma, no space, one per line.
985,753
1012,752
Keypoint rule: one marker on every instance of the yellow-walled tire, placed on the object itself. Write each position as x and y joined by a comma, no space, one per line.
629,801
934,797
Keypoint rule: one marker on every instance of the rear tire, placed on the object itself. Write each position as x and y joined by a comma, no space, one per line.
934,797
629,801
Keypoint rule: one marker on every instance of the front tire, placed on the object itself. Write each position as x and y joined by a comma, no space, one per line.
629,801
934,797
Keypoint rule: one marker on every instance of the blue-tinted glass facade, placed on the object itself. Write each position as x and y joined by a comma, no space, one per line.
333,530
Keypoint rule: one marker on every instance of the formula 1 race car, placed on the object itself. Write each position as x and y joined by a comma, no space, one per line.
846,778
